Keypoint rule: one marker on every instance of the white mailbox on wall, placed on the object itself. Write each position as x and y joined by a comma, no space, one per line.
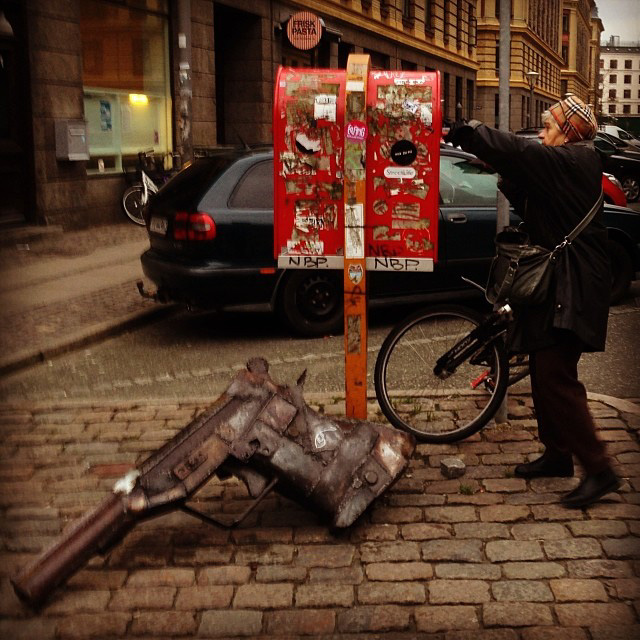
71,140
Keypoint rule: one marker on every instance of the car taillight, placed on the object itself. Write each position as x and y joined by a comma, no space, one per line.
180,223
193,226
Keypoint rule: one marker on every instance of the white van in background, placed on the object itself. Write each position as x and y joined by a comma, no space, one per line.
619,133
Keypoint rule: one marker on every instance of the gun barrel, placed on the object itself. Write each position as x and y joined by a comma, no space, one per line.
88,535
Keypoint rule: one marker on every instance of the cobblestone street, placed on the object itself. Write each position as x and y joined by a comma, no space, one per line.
485,556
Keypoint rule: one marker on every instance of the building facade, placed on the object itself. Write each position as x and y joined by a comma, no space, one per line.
620,84
155,74
535,47
554,51
183,76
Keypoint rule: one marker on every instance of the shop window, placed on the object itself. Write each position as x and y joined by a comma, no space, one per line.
127,100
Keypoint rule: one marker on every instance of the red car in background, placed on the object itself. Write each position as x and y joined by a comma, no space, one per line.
613,193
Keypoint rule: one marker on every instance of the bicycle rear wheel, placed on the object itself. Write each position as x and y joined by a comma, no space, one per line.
133,205
414,399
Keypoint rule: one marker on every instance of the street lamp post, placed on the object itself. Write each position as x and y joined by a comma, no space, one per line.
531,76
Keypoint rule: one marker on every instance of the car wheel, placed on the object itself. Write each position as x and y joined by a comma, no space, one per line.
631,188
621,271
310,302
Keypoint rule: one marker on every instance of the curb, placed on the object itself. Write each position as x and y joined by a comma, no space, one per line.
624,406
312,397
85,337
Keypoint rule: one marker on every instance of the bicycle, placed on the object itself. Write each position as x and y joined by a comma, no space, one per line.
150,176
443,359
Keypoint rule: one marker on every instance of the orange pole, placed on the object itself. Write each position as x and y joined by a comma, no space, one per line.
355,275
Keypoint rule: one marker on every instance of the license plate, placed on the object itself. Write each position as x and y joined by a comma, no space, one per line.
158,225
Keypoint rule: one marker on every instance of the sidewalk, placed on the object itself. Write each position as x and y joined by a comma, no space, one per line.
483,557
62,290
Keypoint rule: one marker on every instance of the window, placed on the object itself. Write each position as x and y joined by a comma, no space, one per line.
626,108
628,64
466,183
255,189
613,79
627,79
428,16
627,94
408,12
600,78
613,64
612,94
565,53
612,108
565,21
126,84
601,63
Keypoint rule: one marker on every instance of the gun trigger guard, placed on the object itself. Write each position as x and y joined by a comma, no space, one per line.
228,521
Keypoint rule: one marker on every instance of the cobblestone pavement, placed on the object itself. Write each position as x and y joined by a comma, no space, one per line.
484,557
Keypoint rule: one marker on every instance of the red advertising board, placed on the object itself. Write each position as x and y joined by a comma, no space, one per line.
402,130
308,132
403,157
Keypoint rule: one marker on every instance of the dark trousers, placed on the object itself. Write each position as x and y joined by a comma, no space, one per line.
565,424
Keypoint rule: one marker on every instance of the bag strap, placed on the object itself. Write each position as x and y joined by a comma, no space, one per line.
569,238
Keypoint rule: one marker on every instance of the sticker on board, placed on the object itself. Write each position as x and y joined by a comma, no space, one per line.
356,131
355,273
403,152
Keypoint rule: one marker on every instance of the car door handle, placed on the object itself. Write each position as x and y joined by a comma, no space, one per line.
457,218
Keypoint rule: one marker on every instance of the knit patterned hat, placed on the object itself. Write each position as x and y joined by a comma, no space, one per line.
575,119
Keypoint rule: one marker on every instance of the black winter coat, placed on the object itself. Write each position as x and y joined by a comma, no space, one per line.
552,189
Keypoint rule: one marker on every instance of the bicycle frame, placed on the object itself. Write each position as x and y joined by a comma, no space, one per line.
148,186
473,343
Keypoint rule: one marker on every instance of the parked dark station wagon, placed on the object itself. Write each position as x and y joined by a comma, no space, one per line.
211,243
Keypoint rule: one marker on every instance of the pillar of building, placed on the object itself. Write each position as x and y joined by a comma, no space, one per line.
203,75
56,89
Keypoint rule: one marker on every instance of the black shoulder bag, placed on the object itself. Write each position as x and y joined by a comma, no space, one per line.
521,272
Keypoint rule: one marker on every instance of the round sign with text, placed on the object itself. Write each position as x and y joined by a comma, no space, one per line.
304,30
403,152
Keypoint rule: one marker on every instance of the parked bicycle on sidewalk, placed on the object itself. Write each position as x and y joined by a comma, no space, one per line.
150,175
443,371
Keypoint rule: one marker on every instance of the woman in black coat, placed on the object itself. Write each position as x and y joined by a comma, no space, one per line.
552,187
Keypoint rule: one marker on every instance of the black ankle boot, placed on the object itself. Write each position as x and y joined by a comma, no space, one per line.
591,489
548,465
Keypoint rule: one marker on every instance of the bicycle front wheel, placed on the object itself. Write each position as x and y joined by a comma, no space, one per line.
133,205
415,399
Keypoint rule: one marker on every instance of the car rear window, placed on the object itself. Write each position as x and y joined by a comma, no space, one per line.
255,188
197,177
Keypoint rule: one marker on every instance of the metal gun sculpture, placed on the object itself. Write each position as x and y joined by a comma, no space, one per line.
261,432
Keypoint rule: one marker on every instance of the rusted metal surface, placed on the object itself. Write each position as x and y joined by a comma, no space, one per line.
260,431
